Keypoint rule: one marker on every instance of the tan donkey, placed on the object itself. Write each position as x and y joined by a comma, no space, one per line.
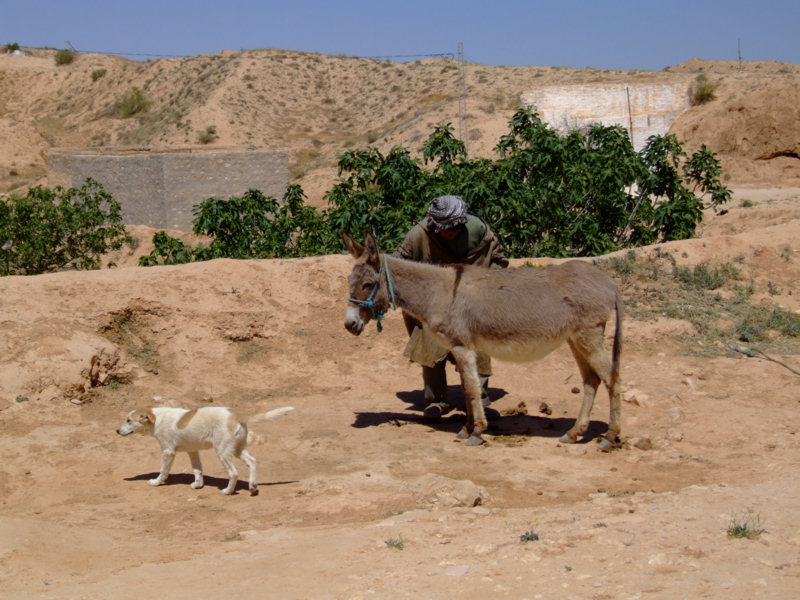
517,315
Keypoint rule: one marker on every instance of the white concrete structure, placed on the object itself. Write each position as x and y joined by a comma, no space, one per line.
642,109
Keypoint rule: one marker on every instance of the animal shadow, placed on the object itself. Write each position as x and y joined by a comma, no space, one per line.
506,425
210,482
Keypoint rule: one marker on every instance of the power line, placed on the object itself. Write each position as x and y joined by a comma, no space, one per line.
150,54
463,131
134,54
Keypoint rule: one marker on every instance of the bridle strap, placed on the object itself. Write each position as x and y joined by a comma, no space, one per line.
370,301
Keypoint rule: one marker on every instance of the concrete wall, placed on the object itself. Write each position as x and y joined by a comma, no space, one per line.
158,188
653,107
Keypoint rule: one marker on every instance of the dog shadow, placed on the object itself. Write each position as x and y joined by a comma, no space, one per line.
209,482
525,425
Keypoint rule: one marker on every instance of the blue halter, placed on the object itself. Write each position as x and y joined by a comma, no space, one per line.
370,301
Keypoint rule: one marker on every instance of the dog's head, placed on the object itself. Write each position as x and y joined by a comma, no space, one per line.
139,420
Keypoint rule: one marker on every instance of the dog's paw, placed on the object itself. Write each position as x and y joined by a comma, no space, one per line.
154,482
226,491
196,485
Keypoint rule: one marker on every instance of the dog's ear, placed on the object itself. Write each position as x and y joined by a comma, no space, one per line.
146,417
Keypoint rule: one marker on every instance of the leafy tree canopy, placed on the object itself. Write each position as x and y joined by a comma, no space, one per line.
547,194
51,230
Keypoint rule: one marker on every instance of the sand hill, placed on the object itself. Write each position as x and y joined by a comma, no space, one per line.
319,106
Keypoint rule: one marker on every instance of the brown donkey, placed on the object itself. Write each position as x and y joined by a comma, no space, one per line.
517,315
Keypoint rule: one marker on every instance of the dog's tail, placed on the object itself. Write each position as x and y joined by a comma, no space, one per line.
271,414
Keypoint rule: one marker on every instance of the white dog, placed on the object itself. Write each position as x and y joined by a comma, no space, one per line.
182,430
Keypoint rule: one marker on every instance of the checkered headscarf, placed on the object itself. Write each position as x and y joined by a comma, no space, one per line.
448,212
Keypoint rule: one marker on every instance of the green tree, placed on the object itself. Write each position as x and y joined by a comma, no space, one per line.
546,195
50,230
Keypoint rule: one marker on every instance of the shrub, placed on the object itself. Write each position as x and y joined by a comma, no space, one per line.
64,57
207,136
13,46
132,103
97,74
51,230
702,90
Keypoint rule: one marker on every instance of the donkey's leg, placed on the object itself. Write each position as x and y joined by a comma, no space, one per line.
590,345
601,364
470,383
615,411
591,381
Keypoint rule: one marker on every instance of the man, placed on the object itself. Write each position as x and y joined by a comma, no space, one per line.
449,234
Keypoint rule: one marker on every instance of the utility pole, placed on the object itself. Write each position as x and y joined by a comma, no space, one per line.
630,113
740,53
463,131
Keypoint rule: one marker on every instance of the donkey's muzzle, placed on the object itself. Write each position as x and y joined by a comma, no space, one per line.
353,321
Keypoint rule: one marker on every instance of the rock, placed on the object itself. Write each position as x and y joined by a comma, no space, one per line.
434,490
636,397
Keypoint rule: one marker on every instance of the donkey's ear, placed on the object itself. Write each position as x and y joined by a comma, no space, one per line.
372,247
353,247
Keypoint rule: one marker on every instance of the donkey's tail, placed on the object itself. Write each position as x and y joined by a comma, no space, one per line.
617,348
271,414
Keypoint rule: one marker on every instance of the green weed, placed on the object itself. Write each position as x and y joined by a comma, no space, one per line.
131,104
748,528
397,543
529,536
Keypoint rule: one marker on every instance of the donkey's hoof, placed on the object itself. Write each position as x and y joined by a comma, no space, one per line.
567,439
475,440
606,445
463,434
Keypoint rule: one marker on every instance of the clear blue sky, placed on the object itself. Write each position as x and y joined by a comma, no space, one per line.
604,34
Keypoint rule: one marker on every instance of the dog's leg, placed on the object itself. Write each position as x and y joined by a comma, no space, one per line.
250,461
197,469
167,456
226,458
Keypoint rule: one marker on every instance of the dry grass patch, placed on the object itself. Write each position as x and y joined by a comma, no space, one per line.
714,299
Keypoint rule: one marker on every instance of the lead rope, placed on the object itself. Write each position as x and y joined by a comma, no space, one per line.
392,303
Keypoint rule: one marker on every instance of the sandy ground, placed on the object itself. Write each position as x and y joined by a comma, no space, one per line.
359,497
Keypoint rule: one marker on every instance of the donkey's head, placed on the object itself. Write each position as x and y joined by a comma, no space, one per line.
368,296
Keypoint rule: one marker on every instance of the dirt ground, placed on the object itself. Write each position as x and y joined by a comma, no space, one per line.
359,497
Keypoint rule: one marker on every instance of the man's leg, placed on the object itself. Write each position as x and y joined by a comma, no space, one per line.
484,371
434,380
